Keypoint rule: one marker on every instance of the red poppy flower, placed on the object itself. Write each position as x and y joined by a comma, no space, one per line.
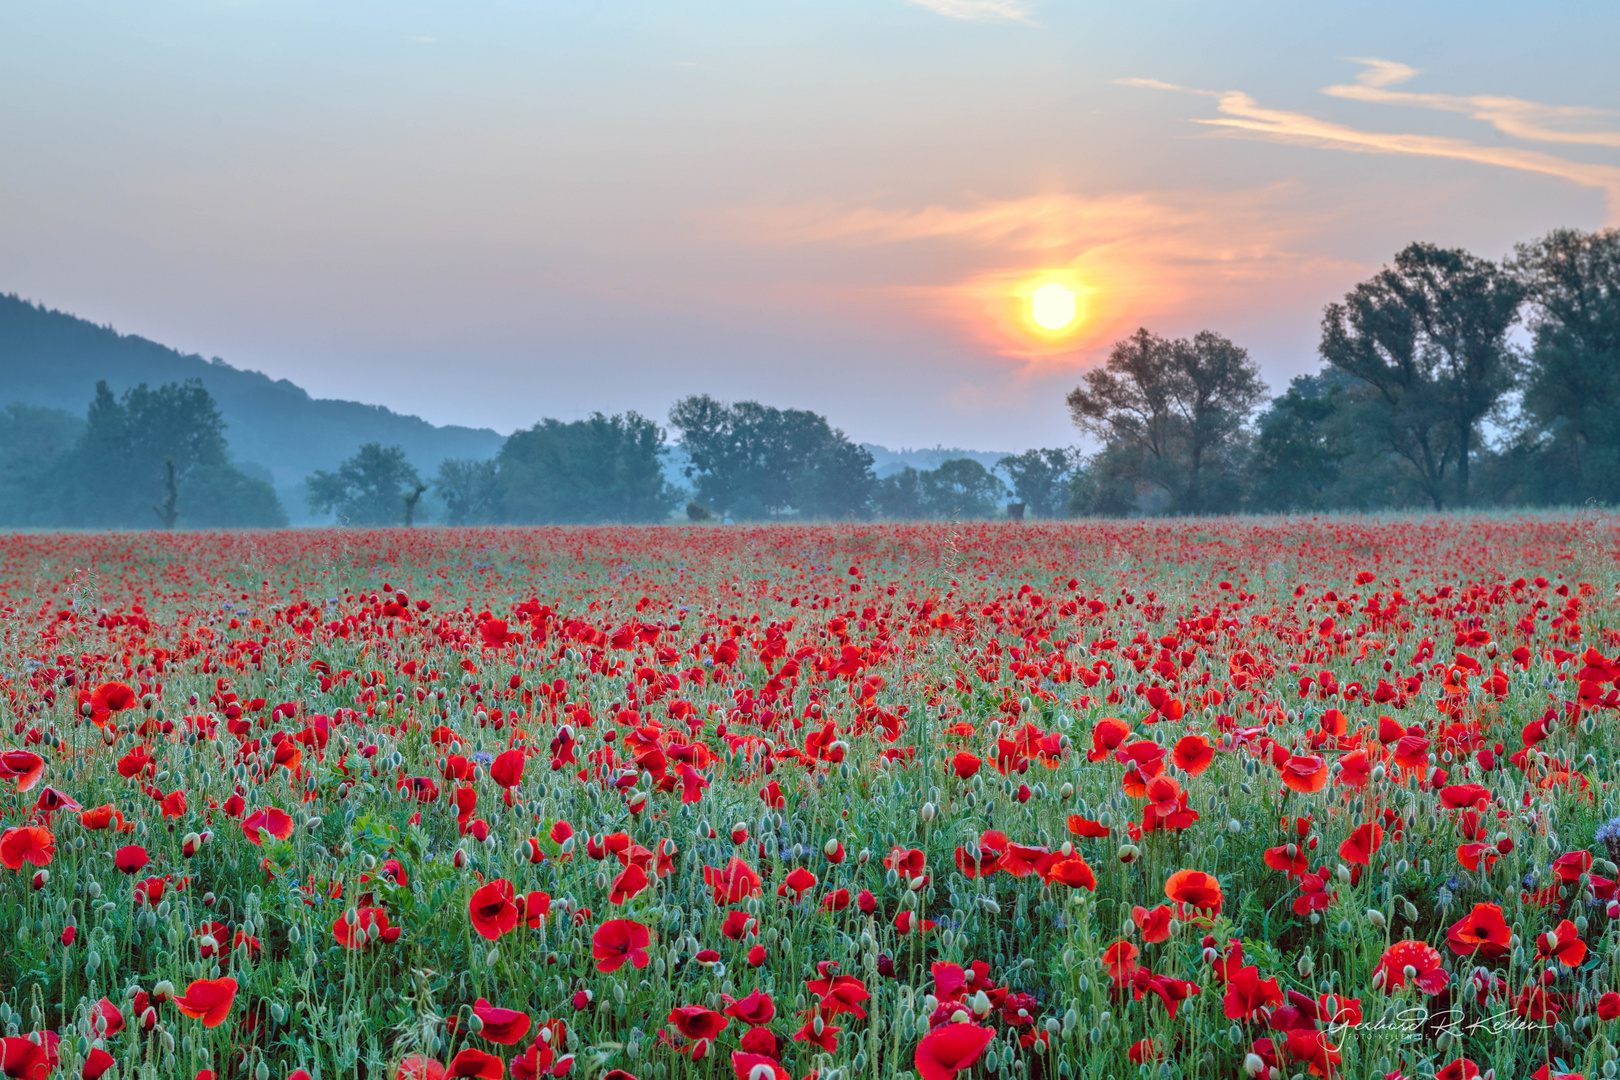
477,1064
208,1000
1362,844
617,941
491,909
798,881
966,764
1304,774
23,766
755,1009
507,768
278,823
746,1066
629,881
130,858
1074,872
419,1067
371,924
1193,754
731,885
1155,924
27,844
1563,944
949,1049
504,1026
697,1022
1195,889
23,1059
1414,962
96,1063
114,696
1483,930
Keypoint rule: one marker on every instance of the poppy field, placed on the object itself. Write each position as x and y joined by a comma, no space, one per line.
1192,798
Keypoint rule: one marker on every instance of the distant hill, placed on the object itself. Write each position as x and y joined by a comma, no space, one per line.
52,359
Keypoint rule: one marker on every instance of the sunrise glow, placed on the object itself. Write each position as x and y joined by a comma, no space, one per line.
1052,306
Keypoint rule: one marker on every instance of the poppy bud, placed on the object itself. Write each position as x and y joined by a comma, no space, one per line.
739,833
69,932
460,859
1375,918
866,902
40,878
1128,853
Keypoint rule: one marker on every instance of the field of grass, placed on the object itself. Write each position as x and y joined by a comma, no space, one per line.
1207,799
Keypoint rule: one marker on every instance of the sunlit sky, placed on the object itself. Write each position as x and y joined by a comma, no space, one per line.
486,213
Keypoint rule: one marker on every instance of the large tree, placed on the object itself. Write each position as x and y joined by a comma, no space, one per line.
157,457
1041,479
749,460
1571,409
370,488
957,488
1428,338
601,469
1171,416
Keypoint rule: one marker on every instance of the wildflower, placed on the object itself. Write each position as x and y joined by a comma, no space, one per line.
491,909
617,941
208,1000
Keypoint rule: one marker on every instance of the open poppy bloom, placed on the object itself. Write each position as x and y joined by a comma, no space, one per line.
491,909
1362,844
131,858
1194,889
1483,931
370,924
697,1022
208,1000
23,766
476,1064
27,844
617,941
1305,774
1414,962
504,1026
949,1049
278,823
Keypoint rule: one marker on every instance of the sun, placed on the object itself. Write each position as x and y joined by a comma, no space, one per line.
1052,306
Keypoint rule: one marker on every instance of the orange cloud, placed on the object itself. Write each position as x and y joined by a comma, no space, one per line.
1244,116
1131,259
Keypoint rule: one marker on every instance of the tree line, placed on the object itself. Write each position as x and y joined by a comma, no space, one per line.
148,458
1447,380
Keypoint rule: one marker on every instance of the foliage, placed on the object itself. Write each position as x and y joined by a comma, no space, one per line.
31,442
1171,414
1041,480
1571,408
1427,339
751,461
469,491
604,469
152,457
963,801
958,488
370,488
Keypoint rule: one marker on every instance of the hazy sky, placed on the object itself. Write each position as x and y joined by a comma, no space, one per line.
486,213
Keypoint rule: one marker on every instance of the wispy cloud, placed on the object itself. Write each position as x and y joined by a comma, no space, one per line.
1528,120
1243,116
978,10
